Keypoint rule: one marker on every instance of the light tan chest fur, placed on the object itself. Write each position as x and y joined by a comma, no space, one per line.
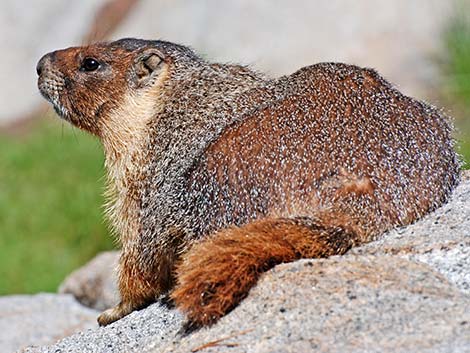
125,138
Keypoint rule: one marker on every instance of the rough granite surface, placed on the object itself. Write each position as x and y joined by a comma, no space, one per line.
156,324
353,304
406,292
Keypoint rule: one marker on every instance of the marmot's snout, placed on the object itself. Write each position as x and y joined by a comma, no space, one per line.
42,68
51,83
44,63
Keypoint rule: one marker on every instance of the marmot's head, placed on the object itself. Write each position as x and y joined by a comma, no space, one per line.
87,85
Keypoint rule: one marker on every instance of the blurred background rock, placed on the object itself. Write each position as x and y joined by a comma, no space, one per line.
51,175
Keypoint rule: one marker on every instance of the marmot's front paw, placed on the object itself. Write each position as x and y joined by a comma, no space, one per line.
118,312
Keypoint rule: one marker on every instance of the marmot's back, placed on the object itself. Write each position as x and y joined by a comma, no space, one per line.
336,137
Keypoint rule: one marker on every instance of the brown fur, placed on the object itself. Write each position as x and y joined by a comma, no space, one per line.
217,173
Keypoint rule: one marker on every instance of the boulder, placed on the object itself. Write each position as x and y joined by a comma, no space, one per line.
343,304
407,291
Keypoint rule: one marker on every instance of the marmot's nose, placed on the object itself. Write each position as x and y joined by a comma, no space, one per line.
44,63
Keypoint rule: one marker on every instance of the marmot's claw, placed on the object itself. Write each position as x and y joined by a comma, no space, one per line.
111,315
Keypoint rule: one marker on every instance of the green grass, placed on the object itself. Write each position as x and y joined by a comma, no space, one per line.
51,181
457,77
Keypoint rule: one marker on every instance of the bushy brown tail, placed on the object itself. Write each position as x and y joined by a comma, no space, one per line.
216,274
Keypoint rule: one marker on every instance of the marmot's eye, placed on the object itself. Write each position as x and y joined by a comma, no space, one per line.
90,64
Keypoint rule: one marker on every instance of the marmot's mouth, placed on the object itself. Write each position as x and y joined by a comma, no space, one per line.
44,91
50,91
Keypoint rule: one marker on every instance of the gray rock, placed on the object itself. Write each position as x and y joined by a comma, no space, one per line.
40,319
155,324
343,304
407,292
95,284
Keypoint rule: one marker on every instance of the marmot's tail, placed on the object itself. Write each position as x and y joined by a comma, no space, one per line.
216,274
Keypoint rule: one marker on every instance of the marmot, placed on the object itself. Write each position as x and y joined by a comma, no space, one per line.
218,173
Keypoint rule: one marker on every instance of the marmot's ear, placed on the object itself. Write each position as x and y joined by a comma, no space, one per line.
147,66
